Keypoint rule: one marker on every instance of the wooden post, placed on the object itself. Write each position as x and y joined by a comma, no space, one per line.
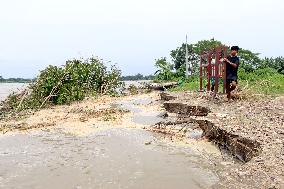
217,70
217,63
209,70
225,71
201,73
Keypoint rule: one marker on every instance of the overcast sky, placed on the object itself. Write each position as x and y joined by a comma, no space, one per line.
131,33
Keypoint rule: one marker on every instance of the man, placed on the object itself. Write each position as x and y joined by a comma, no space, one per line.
232,65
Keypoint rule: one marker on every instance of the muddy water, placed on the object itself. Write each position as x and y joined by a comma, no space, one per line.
115,158
8,88
110,158
140,117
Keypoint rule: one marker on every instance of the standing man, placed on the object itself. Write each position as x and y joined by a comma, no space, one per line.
232,65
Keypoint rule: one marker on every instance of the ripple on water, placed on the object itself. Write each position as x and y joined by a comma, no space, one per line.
109,159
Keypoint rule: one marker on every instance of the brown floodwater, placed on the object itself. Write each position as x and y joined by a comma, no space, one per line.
114,158
8,88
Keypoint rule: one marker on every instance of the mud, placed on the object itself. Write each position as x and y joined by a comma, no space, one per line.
185,109
82,149
115,158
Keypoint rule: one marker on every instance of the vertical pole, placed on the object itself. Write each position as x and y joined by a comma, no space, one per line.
217,63
201,73
186,60
225,71
209,70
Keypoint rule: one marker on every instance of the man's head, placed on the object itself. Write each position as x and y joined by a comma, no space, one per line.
234,50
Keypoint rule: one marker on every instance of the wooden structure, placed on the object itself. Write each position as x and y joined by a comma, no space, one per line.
211,66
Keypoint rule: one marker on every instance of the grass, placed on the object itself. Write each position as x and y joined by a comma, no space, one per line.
187,86
263,82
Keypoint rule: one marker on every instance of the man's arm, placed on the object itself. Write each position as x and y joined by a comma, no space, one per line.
233,64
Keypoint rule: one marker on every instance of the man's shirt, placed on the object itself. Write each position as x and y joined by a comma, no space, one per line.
232,72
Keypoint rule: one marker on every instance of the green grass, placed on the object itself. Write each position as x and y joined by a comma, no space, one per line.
264,81
187,86
273,85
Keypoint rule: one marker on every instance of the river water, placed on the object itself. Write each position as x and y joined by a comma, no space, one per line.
115,158
108,159
8,88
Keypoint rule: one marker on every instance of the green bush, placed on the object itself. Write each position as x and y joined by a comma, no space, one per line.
74,81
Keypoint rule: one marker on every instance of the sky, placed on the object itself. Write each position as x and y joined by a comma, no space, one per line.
129,33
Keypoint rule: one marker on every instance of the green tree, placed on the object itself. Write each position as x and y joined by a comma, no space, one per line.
248,60
278,64
275,63
165,69
205,45
139,76
194,51
1,79
178,55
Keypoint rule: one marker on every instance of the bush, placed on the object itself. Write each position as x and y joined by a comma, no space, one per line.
74,81
133,89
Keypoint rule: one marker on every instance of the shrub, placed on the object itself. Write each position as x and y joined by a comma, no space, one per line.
74,81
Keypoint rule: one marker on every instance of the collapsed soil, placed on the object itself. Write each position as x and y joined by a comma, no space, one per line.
80,129
260,120
79,116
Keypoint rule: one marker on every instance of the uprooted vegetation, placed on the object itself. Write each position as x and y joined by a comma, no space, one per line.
55,85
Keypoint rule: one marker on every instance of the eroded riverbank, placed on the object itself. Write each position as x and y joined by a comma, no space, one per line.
102,143
252,131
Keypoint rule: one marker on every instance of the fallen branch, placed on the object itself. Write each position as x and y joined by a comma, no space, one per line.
24,96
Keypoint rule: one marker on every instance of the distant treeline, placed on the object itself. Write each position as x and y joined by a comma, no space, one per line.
15,80
122,78
137,77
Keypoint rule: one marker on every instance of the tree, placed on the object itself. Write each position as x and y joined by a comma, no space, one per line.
165,69
1,79
178,57
194,51
278,64
249,61
136,77
275,63
205,45
139,76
